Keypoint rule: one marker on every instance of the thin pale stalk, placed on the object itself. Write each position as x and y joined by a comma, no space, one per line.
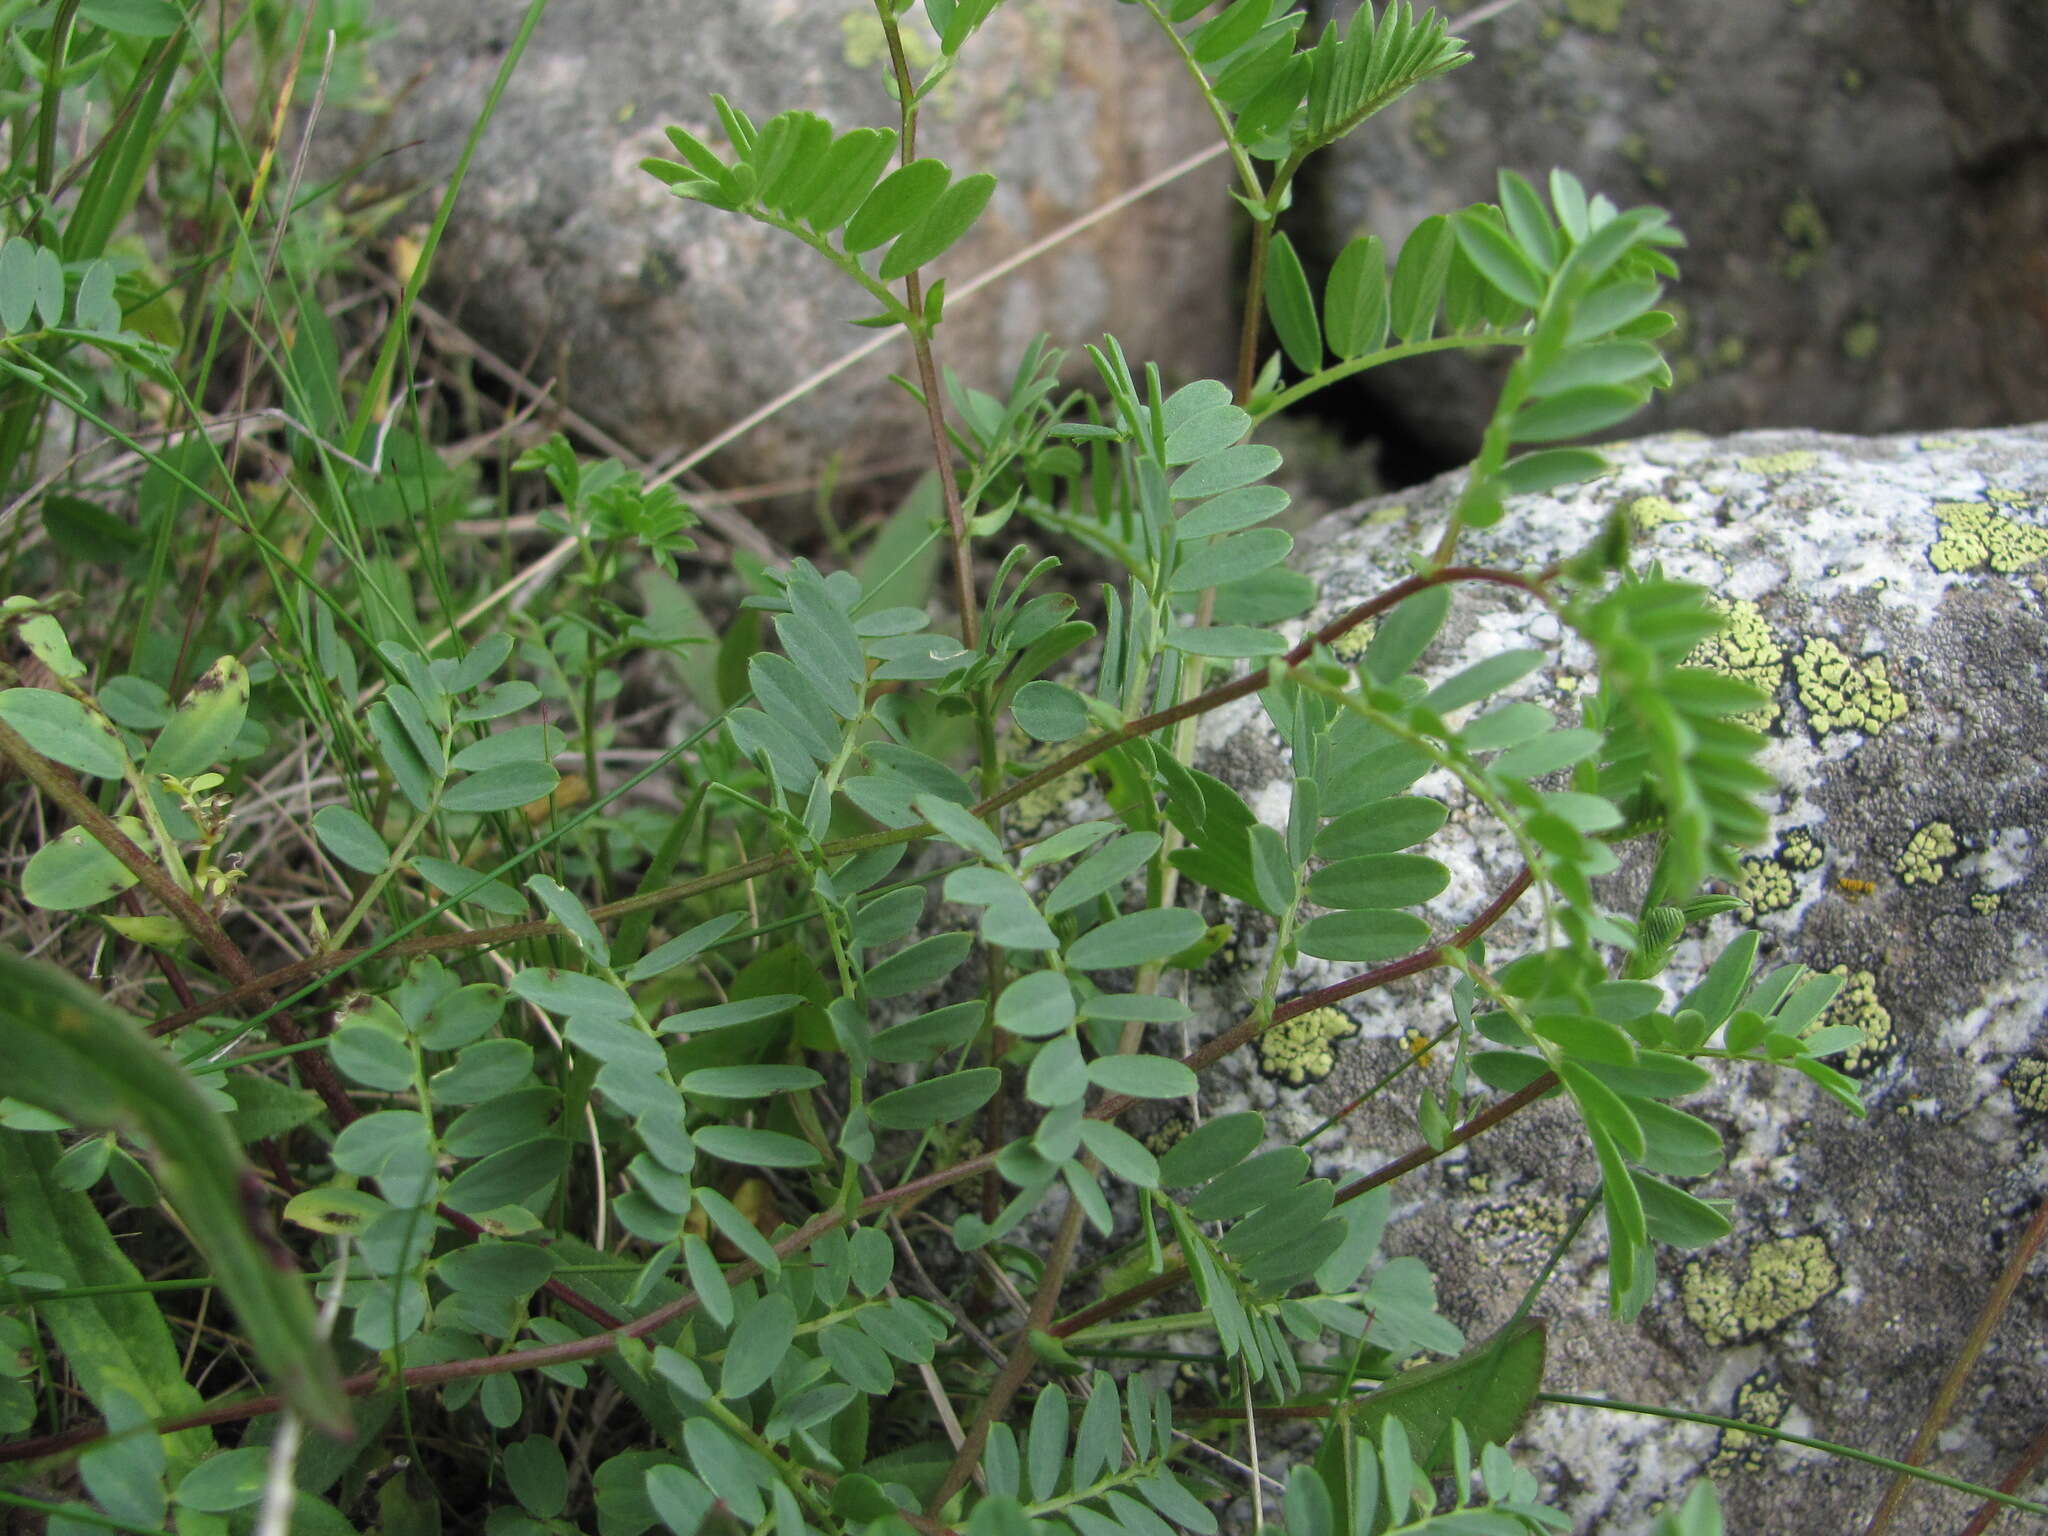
1951,1388
1017,1369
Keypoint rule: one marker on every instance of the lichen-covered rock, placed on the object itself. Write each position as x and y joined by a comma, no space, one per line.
1862,182
666,321
1908,731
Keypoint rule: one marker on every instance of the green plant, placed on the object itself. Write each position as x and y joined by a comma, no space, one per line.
622,1183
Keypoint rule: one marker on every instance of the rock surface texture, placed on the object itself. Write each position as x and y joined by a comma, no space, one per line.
1863,183
1892,595
667,321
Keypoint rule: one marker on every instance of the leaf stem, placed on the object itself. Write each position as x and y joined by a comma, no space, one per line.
919,329
1214,698
1017,1369
1254,309
1165,1281
1959,1372
1337,372
1769,1432
1246,171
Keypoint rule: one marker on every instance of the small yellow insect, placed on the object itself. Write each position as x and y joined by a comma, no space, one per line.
1854,888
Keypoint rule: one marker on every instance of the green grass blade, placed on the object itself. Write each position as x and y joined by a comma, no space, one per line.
68,1052
112,1343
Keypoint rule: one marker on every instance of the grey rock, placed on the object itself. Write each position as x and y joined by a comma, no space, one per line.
666,321
1862,183
1893,596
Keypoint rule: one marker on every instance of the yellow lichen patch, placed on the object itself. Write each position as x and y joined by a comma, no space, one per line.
2028,1080
1861,340
1243,945
1603,16
1766,885
1417,1042
1034,810
1857,1003
1425,127
1781,463
1783,1279
1985,903
1304,1050
1805,230
1925,860
1973,537
1635,149
1350,646
1648,512
1747,649
1527,1229
1841,694
1169,1134
1760,1400
864,46
1801,850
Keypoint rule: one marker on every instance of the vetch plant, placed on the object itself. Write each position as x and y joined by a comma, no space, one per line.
694,1167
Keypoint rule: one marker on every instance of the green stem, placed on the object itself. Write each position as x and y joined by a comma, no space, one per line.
391,867
1246,172
1768,1432
787,1470
1337,372
53,93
